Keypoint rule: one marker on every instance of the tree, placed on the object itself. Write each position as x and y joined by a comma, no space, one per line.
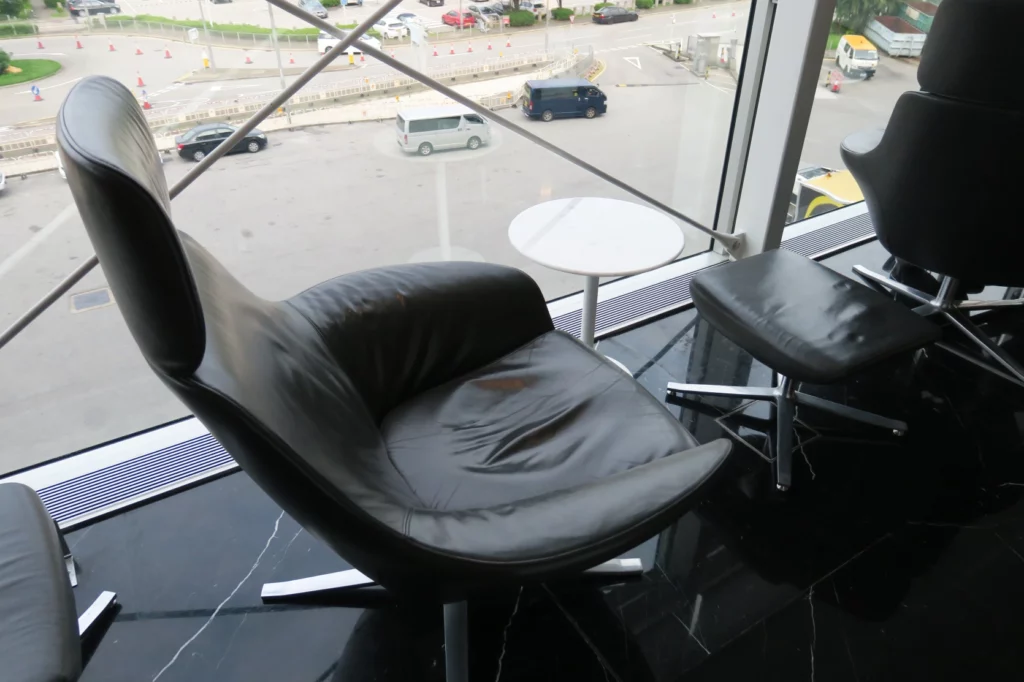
13,8
5,60
856,14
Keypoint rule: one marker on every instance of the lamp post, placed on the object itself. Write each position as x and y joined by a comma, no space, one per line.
277,51
206,33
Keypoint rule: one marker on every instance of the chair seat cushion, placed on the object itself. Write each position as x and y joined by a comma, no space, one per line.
38,624
803,320
549,416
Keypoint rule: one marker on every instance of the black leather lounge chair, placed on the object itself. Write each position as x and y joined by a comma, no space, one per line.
424,421
40,638
939,180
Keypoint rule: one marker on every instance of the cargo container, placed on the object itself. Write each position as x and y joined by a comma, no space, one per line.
895,37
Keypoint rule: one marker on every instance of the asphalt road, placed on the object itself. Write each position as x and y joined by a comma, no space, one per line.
161,76
328,200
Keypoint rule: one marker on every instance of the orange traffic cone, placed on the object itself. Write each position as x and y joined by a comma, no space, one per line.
362,57
435,50
145,101
39,45
488,45
37,97
508,42
291,59
167,52
470,49
138,50
714,16
248,60
140,83
110,45
451,49
78,43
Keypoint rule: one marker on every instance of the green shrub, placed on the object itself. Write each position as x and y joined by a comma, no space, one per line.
644,4
330,3
602,5
52,4
521,17
682,2
17,29
562,13
5,60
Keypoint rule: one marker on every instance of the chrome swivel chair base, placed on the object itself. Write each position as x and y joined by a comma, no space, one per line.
957,312
456,619
785,400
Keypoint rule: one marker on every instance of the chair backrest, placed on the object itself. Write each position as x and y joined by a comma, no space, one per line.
941,181
255,372
127,212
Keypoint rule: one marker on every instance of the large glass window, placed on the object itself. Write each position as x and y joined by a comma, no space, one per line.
341,180
869,60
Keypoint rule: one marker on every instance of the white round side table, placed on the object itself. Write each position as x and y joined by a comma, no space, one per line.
596,238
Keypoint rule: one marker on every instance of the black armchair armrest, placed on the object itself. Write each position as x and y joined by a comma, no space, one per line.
401,330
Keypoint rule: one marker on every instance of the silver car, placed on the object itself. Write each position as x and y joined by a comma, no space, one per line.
428,129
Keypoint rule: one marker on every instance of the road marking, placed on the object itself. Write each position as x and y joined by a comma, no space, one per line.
38,238
51,87
635,61
39,54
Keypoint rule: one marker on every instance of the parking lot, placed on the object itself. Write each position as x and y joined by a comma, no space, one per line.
328,200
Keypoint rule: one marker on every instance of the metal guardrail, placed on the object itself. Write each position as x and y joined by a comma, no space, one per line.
19,140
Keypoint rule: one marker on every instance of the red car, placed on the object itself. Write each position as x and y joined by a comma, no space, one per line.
452,19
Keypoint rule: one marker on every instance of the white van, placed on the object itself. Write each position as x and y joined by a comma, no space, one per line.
451,127
856,56
325,41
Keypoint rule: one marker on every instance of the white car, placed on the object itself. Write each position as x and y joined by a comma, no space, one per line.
409,18
391,28
325,41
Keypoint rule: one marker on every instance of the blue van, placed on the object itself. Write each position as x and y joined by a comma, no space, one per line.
560,97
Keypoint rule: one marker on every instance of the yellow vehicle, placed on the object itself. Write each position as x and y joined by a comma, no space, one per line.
856,56
819,190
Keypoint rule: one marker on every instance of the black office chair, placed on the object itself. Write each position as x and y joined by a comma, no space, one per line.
424,421
40,637
940,181
807,323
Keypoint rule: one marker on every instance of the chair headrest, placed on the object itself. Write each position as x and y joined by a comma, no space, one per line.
117,181
970,53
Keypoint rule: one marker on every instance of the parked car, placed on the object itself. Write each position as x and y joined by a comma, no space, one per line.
313,7
487,14
3,181
433,3
614,15
391,28
348,3
410,18
79,7
452,19
325,41
427,129
203,139
563,97
219,2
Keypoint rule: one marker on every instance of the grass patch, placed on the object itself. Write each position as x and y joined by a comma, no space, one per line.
226,28
31,69
833,41
242,29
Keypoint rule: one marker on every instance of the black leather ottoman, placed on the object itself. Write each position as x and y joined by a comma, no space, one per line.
807,323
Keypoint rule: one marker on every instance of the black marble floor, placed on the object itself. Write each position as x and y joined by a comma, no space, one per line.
892,558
